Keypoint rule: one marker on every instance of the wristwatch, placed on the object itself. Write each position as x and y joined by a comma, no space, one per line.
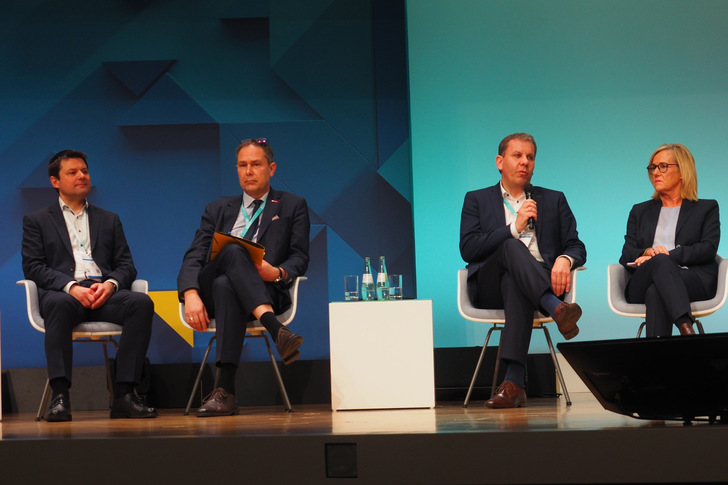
280,276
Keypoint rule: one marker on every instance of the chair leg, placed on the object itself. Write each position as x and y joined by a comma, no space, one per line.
277,372
700,326
639,331
556,365
109,379
199,376
43,400
477,367
495,371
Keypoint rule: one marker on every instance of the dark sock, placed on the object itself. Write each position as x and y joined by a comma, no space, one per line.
515,372
684,319
227,377
123,388
60,385
271,323
549,302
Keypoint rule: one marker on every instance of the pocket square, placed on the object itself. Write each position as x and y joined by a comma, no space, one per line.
275,218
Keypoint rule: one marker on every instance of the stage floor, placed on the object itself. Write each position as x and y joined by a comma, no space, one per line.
544,442
539,414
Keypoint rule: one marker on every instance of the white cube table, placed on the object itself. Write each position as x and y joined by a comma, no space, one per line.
381,354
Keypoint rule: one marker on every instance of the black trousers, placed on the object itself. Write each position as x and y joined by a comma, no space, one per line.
231,288
666,290
514,280
132,310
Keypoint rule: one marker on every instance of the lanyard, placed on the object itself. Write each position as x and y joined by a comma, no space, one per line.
509,206
249,220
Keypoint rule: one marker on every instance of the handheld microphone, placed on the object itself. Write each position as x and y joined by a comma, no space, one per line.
528,189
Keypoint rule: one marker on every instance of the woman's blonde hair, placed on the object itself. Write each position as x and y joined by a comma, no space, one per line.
686,165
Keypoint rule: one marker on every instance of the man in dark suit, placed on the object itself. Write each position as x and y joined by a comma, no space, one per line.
233,289
520,248
78,256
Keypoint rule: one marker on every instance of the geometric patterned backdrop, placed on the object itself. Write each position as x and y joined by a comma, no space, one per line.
159,94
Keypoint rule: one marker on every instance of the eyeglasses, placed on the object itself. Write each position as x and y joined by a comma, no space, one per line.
662,167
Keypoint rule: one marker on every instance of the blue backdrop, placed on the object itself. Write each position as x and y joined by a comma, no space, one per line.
160,92
600,84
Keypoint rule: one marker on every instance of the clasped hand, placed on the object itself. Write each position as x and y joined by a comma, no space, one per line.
650,253
94,296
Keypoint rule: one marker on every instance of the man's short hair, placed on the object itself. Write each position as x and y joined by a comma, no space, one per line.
259,142
516,136
54,164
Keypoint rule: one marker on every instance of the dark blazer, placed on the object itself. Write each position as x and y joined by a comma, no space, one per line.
48,256
696,237
483,228
283,230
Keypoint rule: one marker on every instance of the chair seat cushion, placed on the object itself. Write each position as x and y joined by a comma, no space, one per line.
91,327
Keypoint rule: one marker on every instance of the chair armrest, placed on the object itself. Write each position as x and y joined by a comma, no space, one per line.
570,296
32,304
140,286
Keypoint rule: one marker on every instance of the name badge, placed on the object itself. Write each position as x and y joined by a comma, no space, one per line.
86,266
526,239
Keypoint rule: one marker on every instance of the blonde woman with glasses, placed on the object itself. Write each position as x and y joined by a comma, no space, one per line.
671,243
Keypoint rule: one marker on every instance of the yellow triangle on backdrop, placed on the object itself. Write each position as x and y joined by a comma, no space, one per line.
166,305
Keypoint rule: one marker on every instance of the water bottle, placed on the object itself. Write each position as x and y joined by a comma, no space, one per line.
367,281
382,280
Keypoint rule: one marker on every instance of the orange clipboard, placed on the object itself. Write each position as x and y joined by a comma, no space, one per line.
220,240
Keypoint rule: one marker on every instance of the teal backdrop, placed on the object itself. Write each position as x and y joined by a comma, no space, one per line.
599,83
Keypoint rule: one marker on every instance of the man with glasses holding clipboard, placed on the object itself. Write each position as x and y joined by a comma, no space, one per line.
229,285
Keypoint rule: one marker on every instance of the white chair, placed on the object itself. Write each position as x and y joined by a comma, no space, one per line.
497,319
102,332
254,330
617,277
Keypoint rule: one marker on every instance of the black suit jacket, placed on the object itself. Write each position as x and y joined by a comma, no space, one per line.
696,237
483,228
48,256
283,229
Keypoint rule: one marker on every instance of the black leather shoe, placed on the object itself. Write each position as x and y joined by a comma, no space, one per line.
566,316
508,395
130,406
287,344
58,410
218,403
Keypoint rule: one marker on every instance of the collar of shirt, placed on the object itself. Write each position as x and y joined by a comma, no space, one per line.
248,201
65,207
510,198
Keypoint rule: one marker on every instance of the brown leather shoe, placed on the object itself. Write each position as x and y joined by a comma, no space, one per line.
218,403
566,316
287,344
686,329
508,395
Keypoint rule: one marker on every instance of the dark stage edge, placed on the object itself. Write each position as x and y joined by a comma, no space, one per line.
547,442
